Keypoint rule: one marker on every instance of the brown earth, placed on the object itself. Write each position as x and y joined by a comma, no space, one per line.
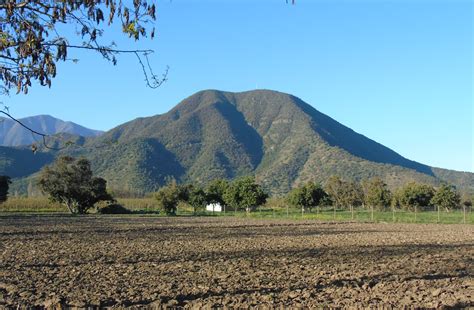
55,261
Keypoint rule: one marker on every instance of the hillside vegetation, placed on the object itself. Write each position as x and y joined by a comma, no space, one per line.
276,136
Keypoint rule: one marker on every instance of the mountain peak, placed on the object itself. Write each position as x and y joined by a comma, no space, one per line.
275,136
13,134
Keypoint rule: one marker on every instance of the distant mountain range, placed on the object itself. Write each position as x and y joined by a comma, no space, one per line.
13,134
277,137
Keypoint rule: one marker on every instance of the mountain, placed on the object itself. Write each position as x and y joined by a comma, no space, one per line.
13,134
277,137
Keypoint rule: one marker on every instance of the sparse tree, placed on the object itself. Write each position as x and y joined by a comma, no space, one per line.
70,182
446,197
344,193
4,186
245,193
335,188
307,196
34,36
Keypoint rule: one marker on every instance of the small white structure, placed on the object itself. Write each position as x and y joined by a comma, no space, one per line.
214,207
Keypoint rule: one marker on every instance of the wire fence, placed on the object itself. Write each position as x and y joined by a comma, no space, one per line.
462,216
148,206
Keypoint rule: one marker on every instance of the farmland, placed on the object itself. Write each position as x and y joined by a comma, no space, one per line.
128,261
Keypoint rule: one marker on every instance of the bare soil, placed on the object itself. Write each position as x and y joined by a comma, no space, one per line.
138,262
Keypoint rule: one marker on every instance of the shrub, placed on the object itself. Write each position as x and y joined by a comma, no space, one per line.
113,208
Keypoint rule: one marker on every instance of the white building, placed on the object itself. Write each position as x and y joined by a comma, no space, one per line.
214,207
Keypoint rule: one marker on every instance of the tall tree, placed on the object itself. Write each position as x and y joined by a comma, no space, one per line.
4,186
215,191
197,198
376,193
335,188
245,193
71,183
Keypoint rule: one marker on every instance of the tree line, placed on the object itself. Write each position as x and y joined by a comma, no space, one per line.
71,182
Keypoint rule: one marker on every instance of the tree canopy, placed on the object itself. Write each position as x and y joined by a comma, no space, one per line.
446,197
170,195
215,191
307,196
245,193
414,195
376,193
197,198
71,183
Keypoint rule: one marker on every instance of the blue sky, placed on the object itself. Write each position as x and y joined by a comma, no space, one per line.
399,72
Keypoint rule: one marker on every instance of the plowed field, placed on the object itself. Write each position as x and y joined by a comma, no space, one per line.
107,261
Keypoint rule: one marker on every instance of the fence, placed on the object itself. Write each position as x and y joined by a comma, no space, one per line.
466,215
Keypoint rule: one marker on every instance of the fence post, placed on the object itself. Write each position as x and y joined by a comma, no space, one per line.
287,211
334,215
439,215
415,213
393,214
352,212
464,210
372,213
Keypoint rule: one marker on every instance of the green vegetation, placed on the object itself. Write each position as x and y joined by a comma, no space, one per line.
170,195
376,193
244,193
71,183
344,193
220,135
275,208
446,197
197,199
308,196
4,186
414,197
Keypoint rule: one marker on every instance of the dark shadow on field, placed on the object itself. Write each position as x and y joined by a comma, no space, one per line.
204,228
332,255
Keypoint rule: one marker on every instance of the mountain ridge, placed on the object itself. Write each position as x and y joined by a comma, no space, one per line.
277,137
13,134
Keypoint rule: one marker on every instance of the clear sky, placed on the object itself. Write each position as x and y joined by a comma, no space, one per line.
399,72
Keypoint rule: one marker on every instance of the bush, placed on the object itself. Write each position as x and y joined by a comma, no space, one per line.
113,208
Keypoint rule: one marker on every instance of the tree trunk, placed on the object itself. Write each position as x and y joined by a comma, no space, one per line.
439,215
69,207
372,213
464,211
393,214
